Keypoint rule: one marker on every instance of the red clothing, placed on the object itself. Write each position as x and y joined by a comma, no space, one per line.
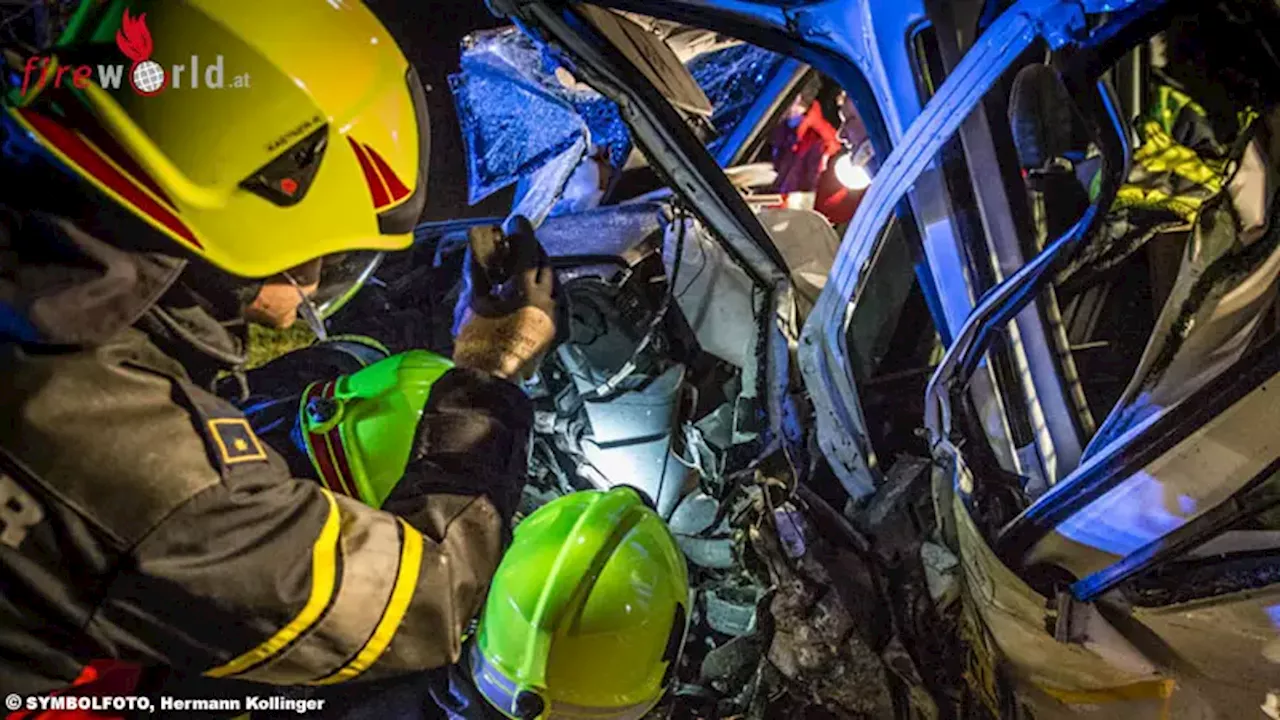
837,202
800,154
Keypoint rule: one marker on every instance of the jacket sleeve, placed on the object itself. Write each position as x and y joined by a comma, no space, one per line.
273,579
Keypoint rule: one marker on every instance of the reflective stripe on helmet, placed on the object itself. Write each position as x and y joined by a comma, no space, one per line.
358,430
501,692
325,447
137,193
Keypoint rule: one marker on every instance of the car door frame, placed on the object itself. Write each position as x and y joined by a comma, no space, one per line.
1088,483
871,60
1138,450
686,164
823,353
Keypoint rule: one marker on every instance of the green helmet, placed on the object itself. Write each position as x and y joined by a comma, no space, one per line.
586,614
358,430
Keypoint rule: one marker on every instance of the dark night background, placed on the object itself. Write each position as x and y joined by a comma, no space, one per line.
429,33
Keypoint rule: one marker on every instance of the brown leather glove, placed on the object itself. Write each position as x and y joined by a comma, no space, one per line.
508,304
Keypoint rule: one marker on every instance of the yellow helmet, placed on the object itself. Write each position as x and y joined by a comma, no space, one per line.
256,135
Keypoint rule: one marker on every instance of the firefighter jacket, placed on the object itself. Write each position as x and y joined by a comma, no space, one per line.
141,518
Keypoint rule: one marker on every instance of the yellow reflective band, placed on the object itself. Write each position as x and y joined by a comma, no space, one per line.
1184,207
397,606
1143,690
324,571
1170,103
1160,153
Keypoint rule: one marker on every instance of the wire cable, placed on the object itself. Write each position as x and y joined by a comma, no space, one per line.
681,218
608,386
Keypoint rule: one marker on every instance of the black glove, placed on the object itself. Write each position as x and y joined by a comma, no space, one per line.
472,440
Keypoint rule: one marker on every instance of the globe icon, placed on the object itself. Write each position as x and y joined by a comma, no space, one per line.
148,77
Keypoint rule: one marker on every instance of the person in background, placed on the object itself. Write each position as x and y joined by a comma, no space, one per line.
802,144
838,197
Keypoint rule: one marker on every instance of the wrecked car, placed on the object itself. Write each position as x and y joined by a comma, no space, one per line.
1004,446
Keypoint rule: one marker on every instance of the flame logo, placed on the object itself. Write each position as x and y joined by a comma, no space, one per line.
133,38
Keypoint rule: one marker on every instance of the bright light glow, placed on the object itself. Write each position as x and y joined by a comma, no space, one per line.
1130,516
854,177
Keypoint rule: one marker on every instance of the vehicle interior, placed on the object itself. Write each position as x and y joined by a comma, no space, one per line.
1171,296
1179,286
1112,415
1163,326
1112,297
739,103
1159,335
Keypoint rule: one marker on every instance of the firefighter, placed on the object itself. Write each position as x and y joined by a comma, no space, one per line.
597,573
141,517
802,144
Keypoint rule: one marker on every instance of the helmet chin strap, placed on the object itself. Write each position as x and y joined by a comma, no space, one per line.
308,310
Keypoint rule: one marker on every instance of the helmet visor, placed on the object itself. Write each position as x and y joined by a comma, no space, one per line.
341,277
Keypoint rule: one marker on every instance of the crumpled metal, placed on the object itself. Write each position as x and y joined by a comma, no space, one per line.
1182,181
1198,334
517,117
548,183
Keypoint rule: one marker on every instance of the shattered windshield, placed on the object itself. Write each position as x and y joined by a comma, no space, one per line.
518,114
520,111
732,78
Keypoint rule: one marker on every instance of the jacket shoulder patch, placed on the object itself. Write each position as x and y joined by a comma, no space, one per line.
236,441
